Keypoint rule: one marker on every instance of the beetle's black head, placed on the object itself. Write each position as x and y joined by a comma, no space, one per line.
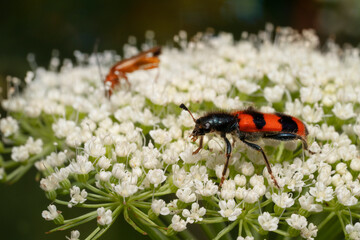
202,125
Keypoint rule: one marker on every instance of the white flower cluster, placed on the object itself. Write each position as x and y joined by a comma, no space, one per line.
130,154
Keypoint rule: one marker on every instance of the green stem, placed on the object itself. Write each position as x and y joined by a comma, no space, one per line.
341,221
86,205
72,224
213,220
247,230
208,231
330,216
240,227
10,164
115,214
283,233
96,190
131,222
93,233
352,213
145,218
226,230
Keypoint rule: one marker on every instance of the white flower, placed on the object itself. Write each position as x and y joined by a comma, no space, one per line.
307,202
169,156
321,192
178,224
247,168
56,159
228,189
150,156
240,180
246,87
75,234
160,136
123,148
51,214
104,217
118,170
283,200
19,154
353,231
159,207
94,147
345,197
355,164
343,112
77,196
81,166
229,210
88,125
312,115
104,163
156,176
126,189
98,114
186,195
294,108
61,174
49,183
206,189
188,157
181,178
267,222
195,214
8,126
297,221
309,232
103,176
311,94
63,127
274,94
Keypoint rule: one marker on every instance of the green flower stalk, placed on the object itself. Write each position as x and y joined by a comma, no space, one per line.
130,155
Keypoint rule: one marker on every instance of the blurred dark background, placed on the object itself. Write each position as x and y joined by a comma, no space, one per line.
40,26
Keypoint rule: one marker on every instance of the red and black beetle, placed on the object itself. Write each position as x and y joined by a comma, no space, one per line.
249,125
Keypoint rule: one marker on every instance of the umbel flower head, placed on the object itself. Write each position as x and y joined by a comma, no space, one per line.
129,154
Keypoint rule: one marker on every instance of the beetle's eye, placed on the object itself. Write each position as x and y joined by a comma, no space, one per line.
207,125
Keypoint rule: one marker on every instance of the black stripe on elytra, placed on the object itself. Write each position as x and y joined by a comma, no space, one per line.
287,123
258,119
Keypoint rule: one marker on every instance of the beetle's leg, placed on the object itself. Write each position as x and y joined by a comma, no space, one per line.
200,145
259,149
228,154
288,137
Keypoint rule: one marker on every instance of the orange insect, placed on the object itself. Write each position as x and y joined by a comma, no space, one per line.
143,61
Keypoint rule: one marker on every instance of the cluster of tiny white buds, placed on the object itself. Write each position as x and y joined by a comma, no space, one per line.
75,235
51,214
296,221
104,216
8,126
353,231
178,224
159,207
267,222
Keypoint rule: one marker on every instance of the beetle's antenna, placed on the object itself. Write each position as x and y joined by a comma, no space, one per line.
186,109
